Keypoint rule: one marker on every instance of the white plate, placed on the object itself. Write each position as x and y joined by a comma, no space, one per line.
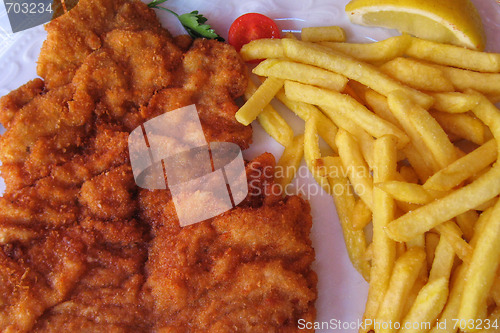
342,292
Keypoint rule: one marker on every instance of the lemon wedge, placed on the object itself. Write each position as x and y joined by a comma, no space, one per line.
447,21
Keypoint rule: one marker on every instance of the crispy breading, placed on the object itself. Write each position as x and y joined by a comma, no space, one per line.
246,270
82,248
75,35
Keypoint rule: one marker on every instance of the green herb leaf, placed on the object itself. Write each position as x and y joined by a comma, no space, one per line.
192,22
155,3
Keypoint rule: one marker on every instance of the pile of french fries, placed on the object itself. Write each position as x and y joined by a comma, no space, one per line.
416,138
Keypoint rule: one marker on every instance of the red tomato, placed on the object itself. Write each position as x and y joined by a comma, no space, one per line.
249,27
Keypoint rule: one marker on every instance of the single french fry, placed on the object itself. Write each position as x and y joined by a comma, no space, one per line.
364,73
289,162
481,222
431,243
453,234
417,75
433,136
289,70
262,49
454,102
407,192
321,34
405,273
346,106
361,215
383,248
427,306
382,51
274,125
451,55
256,103
344,200
326,128
356,167
483,266
462,79
444,257
463,168
271,121
462,125
312,152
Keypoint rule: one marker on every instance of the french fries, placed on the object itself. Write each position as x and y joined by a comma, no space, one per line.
344,105
271,121
344,201
262,49
323,34
357,169
383,248
404,274
454,102
417,75
454,56
373,52
396,126
288,70
260,99
364,73
289,162
427,306
482,268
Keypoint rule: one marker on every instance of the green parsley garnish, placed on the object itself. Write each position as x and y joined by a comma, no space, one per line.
193,22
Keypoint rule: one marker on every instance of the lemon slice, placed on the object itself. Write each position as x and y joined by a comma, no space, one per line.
447,21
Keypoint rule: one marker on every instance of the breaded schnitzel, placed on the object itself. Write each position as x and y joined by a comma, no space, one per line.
82,248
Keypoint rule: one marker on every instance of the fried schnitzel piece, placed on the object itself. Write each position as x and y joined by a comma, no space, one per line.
81,246
74,36
107,296
246,270
86,278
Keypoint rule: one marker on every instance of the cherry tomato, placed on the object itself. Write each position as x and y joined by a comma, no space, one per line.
249,27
